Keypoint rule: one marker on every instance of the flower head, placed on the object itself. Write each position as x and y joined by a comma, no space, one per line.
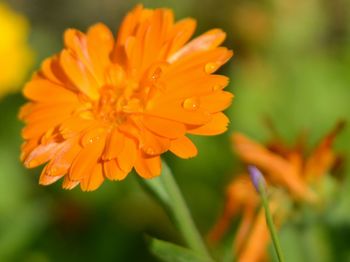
16,56
103,106
290,167
293,177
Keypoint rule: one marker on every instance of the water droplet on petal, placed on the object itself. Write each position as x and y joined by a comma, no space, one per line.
149,151
211,67
191,104
156,74
93,136
90,140
94,139
217,87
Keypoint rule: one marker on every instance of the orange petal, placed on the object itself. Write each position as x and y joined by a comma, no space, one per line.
28,146
127,156
46,91
216,101
277,168
182,32
202,63
151,143
151,36
255,248
164,127
112,171
323,156
75,41
38,128
86,160
175,110
46,112
79,74
100,42
93,179
183,147
96,134
129,24
74,125
148,167
217,125
46,179
241,197
26,110
206,41
69,184
191,85
52,71
42,154
63,159
114,145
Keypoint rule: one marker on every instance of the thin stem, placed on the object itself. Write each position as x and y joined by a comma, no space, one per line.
269,221
181,213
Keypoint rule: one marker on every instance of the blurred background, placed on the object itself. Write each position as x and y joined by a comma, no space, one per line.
291,65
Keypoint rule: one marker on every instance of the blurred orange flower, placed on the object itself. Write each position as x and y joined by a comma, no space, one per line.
292,177
103,106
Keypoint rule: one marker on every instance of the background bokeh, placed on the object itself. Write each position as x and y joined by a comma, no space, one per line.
291,64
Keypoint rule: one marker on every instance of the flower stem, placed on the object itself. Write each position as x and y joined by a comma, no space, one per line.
269,221
181,214
166,190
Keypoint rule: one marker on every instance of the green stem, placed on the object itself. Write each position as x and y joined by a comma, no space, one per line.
181,214
166,190
269,221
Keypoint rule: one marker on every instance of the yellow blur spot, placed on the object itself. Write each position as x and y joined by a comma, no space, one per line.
16,57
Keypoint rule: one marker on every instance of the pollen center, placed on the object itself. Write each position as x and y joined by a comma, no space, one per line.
116,102
106,107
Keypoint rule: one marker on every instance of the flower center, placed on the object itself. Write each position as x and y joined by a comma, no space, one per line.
122,95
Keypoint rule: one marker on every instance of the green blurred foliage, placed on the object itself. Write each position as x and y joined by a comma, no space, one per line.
292,65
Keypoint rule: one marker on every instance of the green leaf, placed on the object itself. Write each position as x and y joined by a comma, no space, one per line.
169,252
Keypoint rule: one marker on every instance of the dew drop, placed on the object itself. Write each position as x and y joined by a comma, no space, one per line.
90,140
210,68
217,87
94,139
156,74
149,151
191,104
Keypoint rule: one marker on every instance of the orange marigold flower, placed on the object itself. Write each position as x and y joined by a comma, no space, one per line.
103,106
290,167
293,176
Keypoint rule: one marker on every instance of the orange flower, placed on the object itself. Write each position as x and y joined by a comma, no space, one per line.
252,236
290,167
284,167
102,106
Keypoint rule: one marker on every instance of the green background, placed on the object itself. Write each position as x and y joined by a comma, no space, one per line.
291,64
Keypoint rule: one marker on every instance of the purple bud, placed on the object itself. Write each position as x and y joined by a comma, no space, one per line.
256,177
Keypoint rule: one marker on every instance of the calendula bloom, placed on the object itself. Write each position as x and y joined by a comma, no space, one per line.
252,236
290,167
293,177
16,56
103,106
